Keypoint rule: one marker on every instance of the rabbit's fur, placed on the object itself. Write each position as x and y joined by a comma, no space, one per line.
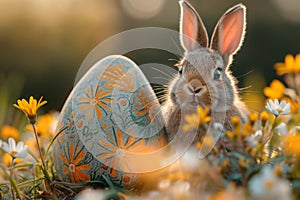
204,76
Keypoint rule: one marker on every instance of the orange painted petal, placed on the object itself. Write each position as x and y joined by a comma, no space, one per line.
84,107
104,106
89,93
83,167
66,170
85,100
80,176
64,159
130,141
120,139
137,145
89,113
98,112
79,157
104,156
72,152
106,145
95,90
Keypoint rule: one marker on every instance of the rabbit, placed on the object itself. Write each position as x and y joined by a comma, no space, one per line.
204,77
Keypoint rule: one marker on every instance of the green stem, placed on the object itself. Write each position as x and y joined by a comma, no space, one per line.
38,145
273,137
12,181
52,141
11,175
44,169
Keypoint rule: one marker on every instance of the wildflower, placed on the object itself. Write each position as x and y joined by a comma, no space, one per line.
281,129
247,129
89,194
292,145
243,163
294,104
30,108
15,150
275,91
264,116
197,119
266,185
251,140
232,135
181,190
290,65
277,108
235,120
253,117
8,131
229,194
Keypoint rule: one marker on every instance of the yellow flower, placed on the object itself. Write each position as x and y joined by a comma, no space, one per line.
30,108
290,65
236,121
232,135
225,195
292,145
208,141
45,125
275,91
264,116
253,117
247,129
243,163
197,119
9,131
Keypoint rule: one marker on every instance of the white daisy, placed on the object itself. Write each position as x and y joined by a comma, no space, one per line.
15,150
277,108
251,140
282,129
266,185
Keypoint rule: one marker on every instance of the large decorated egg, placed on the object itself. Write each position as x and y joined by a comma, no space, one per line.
111,125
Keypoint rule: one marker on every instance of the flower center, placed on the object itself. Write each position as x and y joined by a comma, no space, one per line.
94,101
13,153
279,110
72,168
269,184
120,153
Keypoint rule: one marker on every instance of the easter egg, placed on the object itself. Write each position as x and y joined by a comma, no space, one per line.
110,120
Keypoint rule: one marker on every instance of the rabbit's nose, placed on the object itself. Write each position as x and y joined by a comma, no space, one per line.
194,90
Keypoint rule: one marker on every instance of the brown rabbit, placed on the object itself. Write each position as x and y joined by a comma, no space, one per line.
204,77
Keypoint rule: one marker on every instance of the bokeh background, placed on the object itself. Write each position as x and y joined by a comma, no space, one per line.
44,42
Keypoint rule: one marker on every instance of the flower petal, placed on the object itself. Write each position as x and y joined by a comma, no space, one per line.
11,144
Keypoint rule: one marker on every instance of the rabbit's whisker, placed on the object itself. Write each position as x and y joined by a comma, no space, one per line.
245,74
165,73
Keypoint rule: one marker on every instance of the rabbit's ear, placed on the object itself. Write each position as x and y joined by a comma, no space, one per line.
192,30
229,32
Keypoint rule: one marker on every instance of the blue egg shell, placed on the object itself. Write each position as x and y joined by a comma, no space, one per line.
111,113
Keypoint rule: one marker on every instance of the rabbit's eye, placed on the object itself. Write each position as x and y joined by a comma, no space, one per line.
217,74
180,70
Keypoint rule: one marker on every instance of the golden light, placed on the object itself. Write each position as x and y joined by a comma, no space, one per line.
143,9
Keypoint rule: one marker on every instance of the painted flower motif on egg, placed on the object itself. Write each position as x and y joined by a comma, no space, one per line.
111,116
